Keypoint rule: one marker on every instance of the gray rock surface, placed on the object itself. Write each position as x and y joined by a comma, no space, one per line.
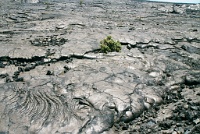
54,80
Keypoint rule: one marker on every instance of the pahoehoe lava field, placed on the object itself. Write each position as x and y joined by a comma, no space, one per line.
55,80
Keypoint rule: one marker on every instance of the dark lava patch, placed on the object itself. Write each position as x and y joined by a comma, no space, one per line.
48,41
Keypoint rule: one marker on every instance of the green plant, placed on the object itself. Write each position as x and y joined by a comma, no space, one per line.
47,4
81,2
109,45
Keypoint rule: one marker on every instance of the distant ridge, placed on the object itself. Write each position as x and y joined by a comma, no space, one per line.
177,1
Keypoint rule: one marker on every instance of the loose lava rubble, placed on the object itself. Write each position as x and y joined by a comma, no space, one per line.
55,80
183,117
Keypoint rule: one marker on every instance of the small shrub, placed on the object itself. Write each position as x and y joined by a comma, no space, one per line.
109,45
81,2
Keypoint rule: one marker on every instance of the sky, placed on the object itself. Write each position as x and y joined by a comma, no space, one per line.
178,1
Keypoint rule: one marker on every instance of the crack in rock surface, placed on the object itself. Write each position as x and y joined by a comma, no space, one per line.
53,78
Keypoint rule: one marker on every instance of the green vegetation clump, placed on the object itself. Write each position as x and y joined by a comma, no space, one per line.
109,45
81,2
